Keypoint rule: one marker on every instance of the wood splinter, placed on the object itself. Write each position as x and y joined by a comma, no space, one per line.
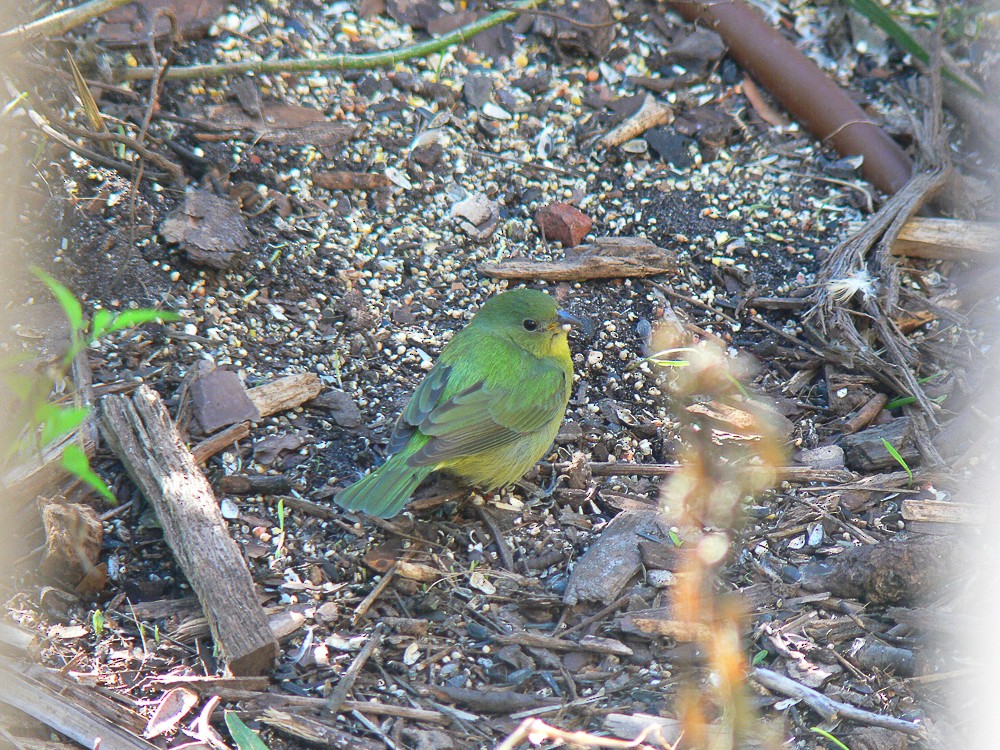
651,114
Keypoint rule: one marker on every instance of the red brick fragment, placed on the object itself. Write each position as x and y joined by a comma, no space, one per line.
563,223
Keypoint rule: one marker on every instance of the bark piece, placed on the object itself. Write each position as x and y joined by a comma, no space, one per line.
209,228
877,738
947,239
871,653
588,28
866,451
563,223
824,457
250,484
493,701
315,731
612,561
144,438
591,643
73,535
341,180
219,442
279,123
605,258
807,92
129,26
895,572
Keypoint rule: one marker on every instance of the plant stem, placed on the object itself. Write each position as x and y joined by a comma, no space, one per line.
346,61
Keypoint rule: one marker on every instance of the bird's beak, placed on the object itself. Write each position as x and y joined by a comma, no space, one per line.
568,321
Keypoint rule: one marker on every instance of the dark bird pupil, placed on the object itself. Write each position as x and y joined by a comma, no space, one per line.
530,325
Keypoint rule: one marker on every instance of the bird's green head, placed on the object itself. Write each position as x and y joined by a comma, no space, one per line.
529,318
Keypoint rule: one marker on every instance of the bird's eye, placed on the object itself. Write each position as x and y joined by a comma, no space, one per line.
530,325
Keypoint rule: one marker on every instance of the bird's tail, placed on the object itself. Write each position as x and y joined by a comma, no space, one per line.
384,492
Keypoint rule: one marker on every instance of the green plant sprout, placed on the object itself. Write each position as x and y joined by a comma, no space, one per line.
827,736
97,622
899,459
244,737
52,421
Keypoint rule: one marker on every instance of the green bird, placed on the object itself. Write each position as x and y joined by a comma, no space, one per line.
487,411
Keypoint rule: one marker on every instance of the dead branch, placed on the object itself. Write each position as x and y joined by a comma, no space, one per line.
537,731
145,439
830,709
864,259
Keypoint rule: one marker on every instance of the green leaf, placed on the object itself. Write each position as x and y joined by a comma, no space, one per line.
67,301
881,18
899,459
99,325
75,461
97,622
133,318
57,421
759,657
244,737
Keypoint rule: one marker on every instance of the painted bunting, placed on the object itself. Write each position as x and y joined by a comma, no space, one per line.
487,411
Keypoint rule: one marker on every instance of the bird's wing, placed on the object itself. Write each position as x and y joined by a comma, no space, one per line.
423,401
487,414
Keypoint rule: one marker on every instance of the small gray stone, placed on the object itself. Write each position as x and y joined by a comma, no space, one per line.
477,90
341,407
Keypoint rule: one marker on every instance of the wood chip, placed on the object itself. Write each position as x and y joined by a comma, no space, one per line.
942,511
285,393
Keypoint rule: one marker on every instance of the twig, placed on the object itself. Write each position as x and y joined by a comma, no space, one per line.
364,61
339,694
785,473
57,23
503,549
830,709
666,290
598,616
368,601
174,170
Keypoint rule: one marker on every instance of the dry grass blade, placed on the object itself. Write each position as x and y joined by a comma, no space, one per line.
89,103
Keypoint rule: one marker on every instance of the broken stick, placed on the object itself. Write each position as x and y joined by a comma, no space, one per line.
145,439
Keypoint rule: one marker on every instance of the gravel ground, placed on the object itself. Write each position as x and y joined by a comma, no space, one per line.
364,288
